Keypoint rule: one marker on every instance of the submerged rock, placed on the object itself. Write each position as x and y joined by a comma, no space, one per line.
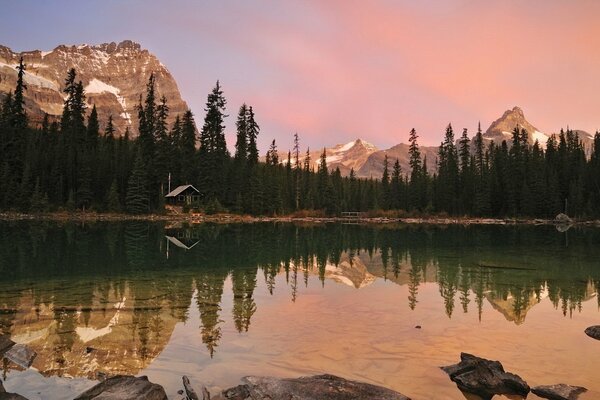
9,396
21,355
124,387
485,378
318,387
558,392
593,332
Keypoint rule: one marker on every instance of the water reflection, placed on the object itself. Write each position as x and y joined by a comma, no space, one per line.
108,296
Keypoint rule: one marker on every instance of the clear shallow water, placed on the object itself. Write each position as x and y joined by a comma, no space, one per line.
218,302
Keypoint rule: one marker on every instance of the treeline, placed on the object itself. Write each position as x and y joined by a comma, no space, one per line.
72,164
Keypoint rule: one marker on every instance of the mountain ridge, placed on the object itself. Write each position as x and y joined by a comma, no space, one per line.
113,74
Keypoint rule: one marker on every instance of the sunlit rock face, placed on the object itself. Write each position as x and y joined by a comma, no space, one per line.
114,76
501,129
118,332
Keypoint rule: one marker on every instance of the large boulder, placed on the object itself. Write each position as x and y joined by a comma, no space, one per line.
318,387
21,355
593,332
485,378
124,387
558,392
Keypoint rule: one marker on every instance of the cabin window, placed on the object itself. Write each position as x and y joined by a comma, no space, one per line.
181,197
195,198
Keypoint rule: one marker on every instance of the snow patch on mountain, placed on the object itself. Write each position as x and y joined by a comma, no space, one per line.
346,147
333,158
97,86
32,79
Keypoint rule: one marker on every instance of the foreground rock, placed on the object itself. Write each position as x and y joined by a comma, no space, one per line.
318,387
593,332
5,344
21,355
485,378
558,392
124,387
9,396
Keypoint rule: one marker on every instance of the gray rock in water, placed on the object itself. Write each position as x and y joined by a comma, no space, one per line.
485,378
563,219
124,387
318,387
21,355
593,332
558,392
9,396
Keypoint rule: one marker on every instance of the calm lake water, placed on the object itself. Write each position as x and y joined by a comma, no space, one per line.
218,302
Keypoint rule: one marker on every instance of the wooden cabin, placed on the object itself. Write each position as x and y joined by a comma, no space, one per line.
183,195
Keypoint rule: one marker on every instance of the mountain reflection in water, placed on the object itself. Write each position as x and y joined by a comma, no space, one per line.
108,296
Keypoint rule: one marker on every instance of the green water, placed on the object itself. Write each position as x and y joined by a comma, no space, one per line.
217,302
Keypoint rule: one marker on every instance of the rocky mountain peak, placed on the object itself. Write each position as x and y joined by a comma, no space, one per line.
114,75
501,129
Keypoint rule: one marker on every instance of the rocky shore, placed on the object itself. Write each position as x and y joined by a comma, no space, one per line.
473,376
195,218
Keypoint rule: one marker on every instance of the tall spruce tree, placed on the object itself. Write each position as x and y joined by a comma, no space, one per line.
213,151
252,130
137,198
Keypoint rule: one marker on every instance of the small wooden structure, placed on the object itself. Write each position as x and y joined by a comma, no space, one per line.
183,195
353,215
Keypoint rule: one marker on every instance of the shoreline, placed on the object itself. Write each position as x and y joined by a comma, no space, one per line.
194,219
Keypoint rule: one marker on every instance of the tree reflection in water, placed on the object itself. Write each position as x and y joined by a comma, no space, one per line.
62,282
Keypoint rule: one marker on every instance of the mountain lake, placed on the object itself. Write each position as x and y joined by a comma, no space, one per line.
383,304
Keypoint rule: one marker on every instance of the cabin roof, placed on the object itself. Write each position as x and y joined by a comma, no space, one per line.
180,189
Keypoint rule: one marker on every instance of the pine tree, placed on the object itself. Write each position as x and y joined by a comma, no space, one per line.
93,130
416,200
466,174
322,180
163,143
19,116
147,122
396,201
137,199
113,204
187,148
213,151
448,174
272,156
252,130
241,143
385,185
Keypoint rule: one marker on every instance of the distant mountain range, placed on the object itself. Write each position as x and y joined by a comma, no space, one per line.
114,75
368,161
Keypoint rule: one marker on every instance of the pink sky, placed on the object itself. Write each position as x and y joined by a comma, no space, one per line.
336,70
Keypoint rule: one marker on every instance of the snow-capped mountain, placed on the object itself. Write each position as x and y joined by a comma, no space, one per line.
374,165
114,75
501,129
343,156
